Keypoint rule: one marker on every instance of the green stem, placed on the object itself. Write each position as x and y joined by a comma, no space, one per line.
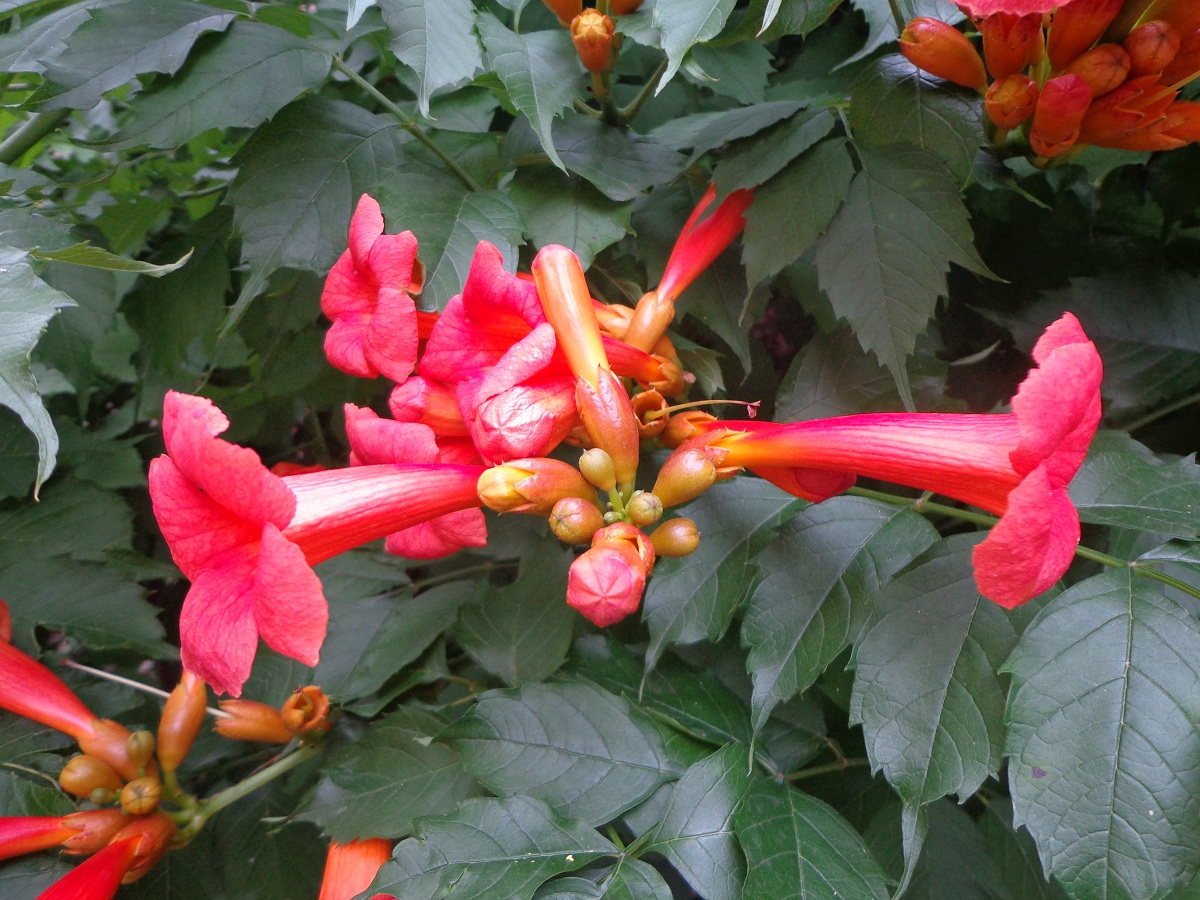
826,769
29,133
626,114
407,124
1164,411
897,16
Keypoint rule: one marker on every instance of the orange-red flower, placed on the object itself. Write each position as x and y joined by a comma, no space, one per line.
350,868
134,851
1017,465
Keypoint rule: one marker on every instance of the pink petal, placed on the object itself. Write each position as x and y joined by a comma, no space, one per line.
289,602
524,421
458,347
1031,547
523,361
378,441
491,293
440,537
1016,7
813,485
365,226
391,260
217,633
391,339
346,349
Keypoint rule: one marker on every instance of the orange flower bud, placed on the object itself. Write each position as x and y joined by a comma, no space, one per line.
592,33
151,836
1076,26
531,486
1011,42
651,317
95,828
611,425
1010,100
942,50
84,774
1132,117
1151,47
109,741
565,10
1186,61
1183,14
1059,113
567,303
249,720
645,405
141,796
20,835
687,473
181,719
1104,67
605,583
306,712
1183,120
675,537
623,7
140,747
681,427
597,467
574,521
644,509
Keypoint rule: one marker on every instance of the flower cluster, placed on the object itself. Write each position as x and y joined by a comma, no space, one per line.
1102,72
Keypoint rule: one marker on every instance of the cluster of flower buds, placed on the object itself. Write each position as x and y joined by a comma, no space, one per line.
1102,72
304,716
592,31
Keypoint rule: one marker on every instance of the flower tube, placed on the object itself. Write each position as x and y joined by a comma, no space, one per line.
1016,465
350,868
248,539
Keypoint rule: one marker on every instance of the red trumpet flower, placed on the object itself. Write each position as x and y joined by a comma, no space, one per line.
350,868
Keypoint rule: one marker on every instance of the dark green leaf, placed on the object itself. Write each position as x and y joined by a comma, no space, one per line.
239,81
770,19
99,258
1102,738
739,71
884,258
124,40
521,632
617,161
894,102
683,23
581,749
954,863
1123,483
489,848
26,304
632,879
792,210
796,846
558,209
436,38
696,831
540,71
701,132
824,574
571,887
881,16
378,784
750,163
695,598
925,687
1015,855
299,179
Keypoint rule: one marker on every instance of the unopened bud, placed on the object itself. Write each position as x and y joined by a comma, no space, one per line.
181,719
141,796
574,520
1151,47
1104,67
1011,42
140,747
96,829
564,10
1186,61
611,424
306,712
605,583
532,486
151,837
1076,26
82,775
685,475
249,720
592,34
681,427
1011,100
109,741
675,537
644,509
942,50
673,380
630,536
597,467
1060,109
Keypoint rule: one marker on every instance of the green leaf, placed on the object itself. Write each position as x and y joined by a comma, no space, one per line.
925,687
739,71
124,40
489,848
540,71
881,16
825,572
750,163
1123,483
632,879
797,846
449,222
436,39
1102,737
791,210
1015,854
683,23
570,887
27,304
954,860
701,132
894,102
98,258
696,831
581,749
559,209
691,701
692,599
521,632
767,20
884,258
239,81
299,179
378,784
619,162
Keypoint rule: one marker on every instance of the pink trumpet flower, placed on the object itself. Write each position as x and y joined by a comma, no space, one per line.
1016,465
248,539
